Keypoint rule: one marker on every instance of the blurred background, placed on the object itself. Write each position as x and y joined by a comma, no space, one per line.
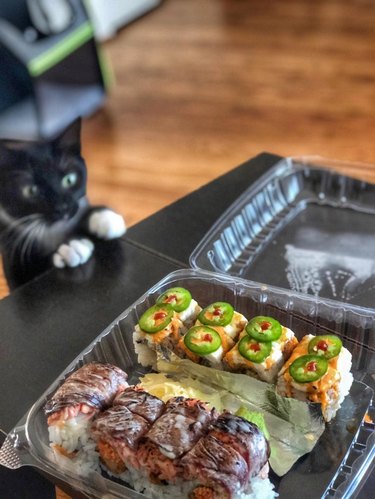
177,92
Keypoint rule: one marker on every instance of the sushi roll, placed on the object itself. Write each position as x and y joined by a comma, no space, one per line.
140,402
318,371
80,398
161,326
182,424
158,330
262,349
206,345
186,308
222,317
117,432
184,450
225,461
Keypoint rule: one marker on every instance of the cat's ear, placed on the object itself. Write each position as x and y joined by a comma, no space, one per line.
71,137
8,148
13,145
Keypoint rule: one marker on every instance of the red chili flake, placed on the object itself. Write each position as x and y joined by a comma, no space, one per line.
217,311
171,298
207,337
322,345
311,366
265,325
160,315
255,347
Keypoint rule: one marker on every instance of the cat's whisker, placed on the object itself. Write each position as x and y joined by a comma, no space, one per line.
30,241
24,235
22,242
17,223
27,243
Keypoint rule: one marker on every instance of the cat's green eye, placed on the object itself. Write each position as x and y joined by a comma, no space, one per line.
69,180
30,191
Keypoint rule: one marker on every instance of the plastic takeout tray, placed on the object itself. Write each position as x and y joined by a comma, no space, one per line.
343,456
302,226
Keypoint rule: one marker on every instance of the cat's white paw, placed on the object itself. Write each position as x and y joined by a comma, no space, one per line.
74,253
106,224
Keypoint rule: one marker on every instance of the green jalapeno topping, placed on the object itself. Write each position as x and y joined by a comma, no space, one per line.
178,298
219,313
202,340
326,345
264,328
156,318
308,368
254,350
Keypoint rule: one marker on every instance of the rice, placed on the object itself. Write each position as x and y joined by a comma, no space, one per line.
262,488
82,462
71,434
258,488
146,356
336,398
147,349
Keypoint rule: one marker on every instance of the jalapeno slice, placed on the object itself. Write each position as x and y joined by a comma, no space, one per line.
327,345
219,313
263,328
254,350
156,318
178,298
202,340
308,368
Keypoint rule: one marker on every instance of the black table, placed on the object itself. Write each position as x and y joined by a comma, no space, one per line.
48,322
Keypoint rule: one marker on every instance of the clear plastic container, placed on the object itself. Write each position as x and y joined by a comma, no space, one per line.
343,456
302,226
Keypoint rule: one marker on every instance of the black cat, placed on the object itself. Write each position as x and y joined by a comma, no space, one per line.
45,217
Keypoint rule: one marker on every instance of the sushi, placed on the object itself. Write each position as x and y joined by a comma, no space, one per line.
186,450
80,398
227,458
318,371
172,435
213,335
160,328
262,349
117,432
222,317
185,307
140,402
203,344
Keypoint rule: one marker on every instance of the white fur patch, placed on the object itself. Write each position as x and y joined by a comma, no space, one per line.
74,253
106,224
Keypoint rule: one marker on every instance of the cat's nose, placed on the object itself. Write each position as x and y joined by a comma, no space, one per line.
65,210
62,210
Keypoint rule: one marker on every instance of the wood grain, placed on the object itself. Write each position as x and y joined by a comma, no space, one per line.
203,85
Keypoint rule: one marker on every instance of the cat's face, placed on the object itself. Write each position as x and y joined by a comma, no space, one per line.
44,179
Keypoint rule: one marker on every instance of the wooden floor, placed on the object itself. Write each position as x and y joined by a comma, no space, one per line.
203,85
